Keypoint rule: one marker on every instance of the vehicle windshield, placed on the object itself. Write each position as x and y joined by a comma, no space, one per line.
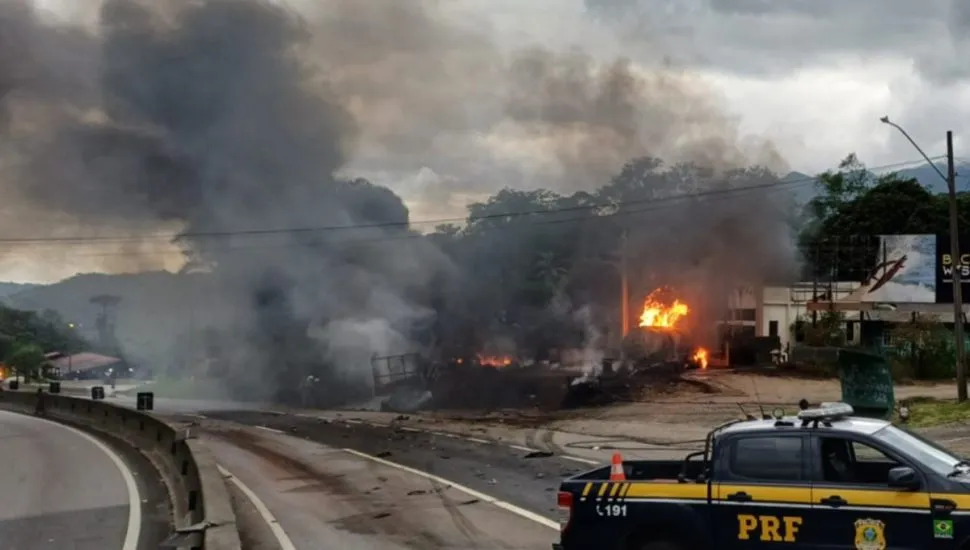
926,452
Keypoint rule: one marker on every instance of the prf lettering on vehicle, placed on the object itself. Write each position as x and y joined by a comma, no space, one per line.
768,528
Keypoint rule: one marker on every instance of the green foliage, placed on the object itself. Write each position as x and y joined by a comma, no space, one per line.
923,349
26,359
828,330
45,330
841,225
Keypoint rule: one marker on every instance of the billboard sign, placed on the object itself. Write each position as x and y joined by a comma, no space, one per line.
945,265
908,270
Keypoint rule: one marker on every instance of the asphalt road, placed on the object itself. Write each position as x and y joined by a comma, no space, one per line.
499,471
321,496
61,489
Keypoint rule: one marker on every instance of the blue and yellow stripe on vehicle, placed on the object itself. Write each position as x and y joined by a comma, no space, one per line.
618,491
766,493
612,491
879,499
604,491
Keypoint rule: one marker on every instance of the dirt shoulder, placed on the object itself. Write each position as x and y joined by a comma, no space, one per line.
681,415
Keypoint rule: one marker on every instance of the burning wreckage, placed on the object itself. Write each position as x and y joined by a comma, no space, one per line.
661,340
656,352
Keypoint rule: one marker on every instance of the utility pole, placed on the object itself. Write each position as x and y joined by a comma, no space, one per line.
957,267
624,290
950,178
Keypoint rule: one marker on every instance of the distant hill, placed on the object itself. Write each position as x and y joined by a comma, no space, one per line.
155,308
8,289
927,176
804,189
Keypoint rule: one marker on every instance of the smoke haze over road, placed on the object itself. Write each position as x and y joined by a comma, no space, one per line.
214,116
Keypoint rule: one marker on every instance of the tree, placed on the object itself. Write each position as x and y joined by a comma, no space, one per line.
839,238
26,359
923,349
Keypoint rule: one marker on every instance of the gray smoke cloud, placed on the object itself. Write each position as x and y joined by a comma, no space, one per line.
248,115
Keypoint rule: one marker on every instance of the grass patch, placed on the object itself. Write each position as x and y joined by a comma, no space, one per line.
925,411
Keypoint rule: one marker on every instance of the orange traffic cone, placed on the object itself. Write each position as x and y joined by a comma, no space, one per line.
616,469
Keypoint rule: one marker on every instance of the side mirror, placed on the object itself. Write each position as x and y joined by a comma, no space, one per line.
903,478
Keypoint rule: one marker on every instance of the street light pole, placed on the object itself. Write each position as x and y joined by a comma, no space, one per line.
950,179
957,268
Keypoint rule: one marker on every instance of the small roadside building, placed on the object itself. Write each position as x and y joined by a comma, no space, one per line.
88,366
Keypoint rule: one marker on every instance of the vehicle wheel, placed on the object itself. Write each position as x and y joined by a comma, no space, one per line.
659,545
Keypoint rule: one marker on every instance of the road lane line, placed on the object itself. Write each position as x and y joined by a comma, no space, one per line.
521,512
581,459
487,442
268,429
281,537
133,530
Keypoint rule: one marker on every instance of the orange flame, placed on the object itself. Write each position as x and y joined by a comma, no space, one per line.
700,357
494,361
657,314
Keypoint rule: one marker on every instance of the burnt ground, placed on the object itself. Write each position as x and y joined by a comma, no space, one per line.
543,389
496,470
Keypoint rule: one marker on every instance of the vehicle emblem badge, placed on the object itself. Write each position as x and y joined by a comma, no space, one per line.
870,534
943,529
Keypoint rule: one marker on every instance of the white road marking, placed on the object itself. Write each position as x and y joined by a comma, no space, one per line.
581,459
487,442
352,421
521,512
281,537
133,530
268,429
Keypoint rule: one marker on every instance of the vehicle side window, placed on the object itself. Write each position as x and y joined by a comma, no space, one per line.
847,461
865,453
773,458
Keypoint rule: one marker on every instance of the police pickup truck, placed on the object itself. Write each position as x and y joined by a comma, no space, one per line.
823,479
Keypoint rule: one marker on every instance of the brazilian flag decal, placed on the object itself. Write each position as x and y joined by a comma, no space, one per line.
943,528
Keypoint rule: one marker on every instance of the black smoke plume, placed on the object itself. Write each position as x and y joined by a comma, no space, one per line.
209,117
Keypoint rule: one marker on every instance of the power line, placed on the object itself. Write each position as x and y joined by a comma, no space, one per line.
646,206
390,225
650,205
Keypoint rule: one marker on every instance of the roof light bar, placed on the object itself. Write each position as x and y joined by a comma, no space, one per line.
826,410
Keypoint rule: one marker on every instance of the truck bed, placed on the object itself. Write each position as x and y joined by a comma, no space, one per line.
646,470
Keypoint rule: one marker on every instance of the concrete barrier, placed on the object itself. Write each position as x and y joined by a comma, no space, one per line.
202,512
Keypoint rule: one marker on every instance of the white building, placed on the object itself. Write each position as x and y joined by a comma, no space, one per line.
773,310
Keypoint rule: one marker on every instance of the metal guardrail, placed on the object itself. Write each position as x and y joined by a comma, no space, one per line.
202,511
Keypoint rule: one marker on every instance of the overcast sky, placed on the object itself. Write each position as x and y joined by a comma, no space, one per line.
805,79
812,75
817,74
